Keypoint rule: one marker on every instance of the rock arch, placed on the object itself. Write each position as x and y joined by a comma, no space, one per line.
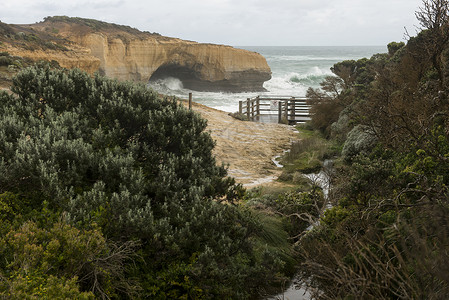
188,76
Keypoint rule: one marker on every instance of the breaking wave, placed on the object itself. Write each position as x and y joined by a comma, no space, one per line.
296,83
168,85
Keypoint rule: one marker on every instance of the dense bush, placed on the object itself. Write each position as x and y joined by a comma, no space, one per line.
387,237
115,163
60,253
299,209
89,144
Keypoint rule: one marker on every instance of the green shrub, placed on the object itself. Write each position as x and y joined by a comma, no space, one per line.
37,286
298,208
307,154
63,251
130,148
393,47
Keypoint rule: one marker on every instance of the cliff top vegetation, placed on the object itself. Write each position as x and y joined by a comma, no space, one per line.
26,37
78,25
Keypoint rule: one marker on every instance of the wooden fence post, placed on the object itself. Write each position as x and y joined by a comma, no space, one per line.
240,106
293,112
280,112
286,110
190,100
248,111
252,109
258,106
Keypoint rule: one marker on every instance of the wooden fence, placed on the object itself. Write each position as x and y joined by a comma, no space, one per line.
288,110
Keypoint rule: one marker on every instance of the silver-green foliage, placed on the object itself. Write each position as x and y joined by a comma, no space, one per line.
360,139
102,150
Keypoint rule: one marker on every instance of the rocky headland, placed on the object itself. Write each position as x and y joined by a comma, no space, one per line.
126,53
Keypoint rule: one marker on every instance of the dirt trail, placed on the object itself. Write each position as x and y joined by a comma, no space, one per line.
248,147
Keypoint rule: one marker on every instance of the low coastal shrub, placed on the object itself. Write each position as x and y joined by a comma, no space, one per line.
10,66
306,163
297,207
5,60
91,23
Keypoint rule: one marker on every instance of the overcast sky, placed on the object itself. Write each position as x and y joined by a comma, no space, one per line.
239,22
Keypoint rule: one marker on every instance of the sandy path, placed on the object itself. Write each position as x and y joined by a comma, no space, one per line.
248,147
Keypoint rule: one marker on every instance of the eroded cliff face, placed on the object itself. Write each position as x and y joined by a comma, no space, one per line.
69,59
128,54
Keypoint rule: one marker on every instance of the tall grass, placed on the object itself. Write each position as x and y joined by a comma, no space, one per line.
307,154
273,238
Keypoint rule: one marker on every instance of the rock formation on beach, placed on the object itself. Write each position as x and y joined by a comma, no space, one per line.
128,54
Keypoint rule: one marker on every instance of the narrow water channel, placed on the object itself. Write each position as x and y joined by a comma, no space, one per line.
323,180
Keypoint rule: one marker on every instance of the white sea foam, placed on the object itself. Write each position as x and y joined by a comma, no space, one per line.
167,85
294,70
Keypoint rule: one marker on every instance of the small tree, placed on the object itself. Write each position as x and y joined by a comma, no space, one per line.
433,15
393,47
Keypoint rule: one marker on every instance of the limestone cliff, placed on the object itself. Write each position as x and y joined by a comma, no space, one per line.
128,54
199,66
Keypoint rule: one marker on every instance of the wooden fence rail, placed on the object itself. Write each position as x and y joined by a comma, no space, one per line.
290,110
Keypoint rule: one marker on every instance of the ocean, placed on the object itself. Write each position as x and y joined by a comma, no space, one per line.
294,70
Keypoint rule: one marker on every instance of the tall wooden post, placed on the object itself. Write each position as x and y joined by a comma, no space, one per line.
258,106
248,111
286,110
240,106
293,113
252,109
280,112
190,100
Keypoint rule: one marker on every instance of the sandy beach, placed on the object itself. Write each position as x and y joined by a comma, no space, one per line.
247,147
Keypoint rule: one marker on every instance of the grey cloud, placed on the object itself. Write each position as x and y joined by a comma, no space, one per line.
239,22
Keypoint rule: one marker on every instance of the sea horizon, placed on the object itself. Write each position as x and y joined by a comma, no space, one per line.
336,46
